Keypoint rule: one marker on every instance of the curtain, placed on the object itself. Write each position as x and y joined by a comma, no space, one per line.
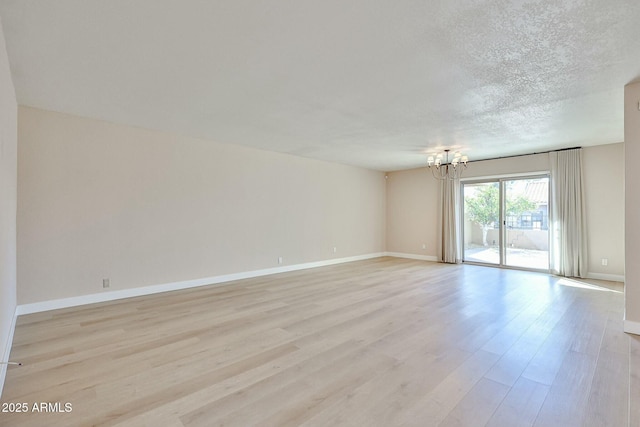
449,248
568,231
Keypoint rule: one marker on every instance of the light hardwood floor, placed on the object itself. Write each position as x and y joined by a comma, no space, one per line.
384,342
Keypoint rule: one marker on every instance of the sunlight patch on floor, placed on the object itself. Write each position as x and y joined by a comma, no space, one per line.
584,285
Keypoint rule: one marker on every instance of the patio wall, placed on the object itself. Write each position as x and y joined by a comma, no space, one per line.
524,239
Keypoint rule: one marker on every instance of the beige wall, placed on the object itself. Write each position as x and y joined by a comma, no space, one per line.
100,200
412,212
412,201
514,165
8,162
604,200
632,205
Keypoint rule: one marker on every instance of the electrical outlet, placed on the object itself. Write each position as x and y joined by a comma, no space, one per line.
424,246
605,261
106,283
335,249
279,260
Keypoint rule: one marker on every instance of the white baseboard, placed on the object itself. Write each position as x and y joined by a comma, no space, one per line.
412,256
7,351
604,276
166,287
632,327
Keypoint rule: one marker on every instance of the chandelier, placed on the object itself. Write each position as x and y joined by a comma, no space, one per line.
445,169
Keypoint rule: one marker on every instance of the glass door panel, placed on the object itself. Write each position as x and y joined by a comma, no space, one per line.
482,222
526,220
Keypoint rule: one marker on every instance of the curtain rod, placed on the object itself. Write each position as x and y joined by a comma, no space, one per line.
528,154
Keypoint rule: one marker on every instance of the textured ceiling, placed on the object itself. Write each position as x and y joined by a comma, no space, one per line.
363,82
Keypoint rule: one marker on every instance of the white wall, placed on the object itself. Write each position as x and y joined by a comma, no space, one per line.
412,208
100,200
632,207
8,162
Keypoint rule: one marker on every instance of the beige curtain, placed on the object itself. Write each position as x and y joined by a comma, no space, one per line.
568,231
449,248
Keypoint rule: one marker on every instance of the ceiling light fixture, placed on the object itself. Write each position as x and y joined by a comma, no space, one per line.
443,169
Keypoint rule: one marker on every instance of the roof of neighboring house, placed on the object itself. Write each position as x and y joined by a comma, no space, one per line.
537,192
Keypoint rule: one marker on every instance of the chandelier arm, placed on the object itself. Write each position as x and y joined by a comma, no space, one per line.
436,172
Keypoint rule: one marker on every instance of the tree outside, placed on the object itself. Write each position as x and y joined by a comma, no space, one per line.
483,207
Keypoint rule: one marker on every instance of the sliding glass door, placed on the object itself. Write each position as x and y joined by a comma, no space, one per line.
482,222
527,223
506,222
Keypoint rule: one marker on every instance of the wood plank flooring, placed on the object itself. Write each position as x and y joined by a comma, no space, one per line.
384,342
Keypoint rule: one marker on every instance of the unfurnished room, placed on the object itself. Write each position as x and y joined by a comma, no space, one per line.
299,213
